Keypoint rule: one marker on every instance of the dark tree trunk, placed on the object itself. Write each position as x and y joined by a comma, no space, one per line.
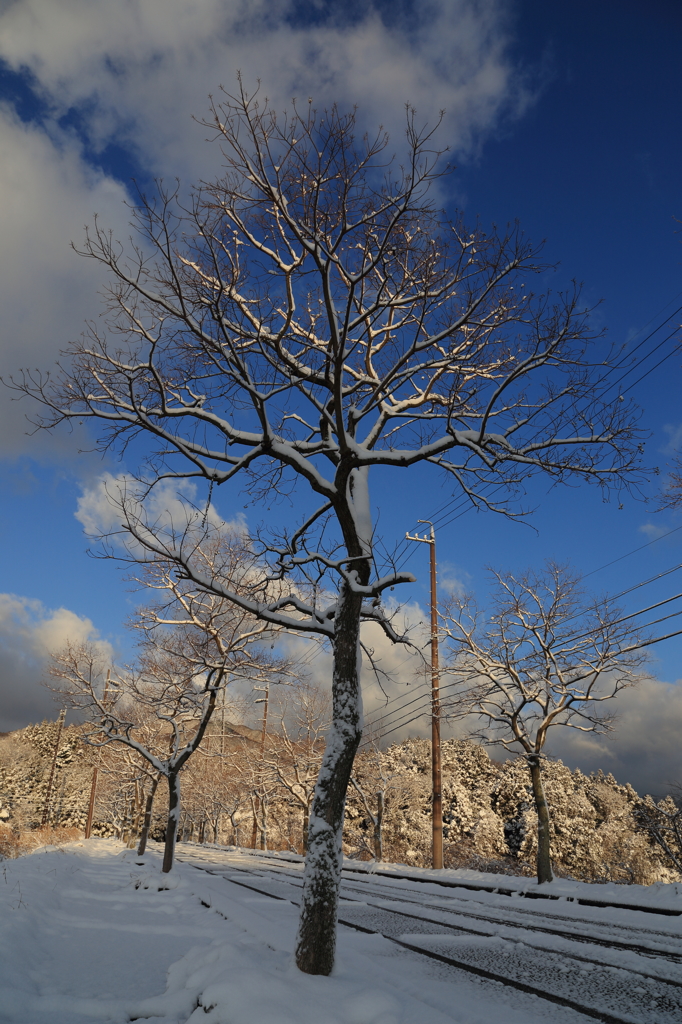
173,818
543,863
306,824
316,939
378,827
144,833
136,818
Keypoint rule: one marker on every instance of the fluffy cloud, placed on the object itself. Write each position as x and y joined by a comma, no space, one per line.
132,74
29,632
138,70
171,506
46,290
643,749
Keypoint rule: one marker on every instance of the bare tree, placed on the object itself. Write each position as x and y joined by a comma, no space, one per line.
191,646
180,706
307,316
545,657
370,781
293,753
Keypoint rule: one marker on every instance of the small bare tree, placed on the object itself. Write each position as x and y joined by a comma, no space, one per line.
305,317
180,705
372,780
293,752
192,644
544,657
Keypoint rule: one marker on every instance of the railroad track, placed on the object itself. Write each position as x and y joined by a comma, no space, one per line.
512,917
473,886
390,922
507,920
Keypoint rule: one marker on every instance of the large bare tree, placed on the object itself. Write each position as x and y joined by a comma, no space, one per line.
542,656
309,315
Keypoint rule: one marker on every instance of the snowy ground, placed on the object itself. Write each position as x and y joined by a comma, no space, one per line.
89,933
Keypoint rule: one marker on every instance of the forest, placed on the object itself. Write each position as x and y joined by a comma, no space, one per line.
253,789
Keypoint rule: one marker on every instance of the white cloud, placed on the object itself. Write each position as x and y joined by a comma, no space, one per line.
46,291
170,505
136,71
674,442
643,749
29,633
652,531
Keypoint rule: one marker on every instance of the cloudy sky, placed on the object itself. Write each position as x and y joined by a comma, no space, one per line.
565,116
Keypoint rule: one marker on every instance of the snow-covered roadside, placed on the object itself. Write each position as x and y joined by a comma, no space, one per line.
89,934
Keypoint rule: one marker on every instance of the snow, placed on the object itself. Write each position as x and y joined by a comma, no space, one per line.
90,932
663,895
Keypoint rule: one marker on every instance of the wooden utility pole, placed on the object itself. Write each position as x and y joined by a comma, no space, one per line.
93,787
437,792
48,793
257,800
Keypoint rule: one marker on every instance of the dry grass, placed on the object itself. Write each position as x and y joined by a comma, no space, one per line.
15,844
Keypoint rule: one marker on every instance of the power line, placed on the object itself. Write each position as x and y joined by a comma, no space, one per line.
644,643
437,515
633,552
445,514
569,638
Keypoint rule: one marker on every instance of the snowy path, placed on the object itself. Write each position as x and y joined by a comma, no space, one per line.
89,934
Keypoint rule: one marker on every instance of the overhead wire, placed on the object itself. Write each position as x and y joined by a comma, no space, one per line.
426,697
438,514
456,506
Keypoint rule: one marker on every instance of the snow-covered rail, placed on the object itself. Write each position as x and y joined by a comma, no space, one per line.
527,920
501,946
498,890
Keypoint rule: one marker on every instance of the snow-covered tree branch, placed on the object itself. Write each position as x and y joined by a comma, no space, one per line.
544,657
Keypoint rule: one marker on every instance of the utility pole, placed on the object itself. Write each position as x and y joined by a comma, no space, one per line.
437,793
257,801
48,793
93,787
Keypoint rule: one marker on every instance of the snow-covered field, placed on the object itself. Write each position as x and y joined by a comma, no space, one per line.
90,932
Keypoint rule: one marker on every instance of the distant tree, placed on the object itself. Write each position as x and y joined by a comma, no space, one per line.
193,644
543,657
305,317
294,749
661,823
372,779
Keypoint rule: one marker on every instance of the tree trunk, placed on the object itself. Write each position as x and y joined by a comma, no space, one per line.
136,818
306,824
173,820
316,939
144,833
264,824
544,864
378,826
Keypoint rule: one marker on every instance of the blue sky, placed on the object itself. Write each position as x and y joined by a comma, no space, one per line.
563,116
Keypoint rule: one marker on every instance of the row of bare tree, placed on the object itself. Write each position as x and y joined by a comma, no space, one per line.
542,656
